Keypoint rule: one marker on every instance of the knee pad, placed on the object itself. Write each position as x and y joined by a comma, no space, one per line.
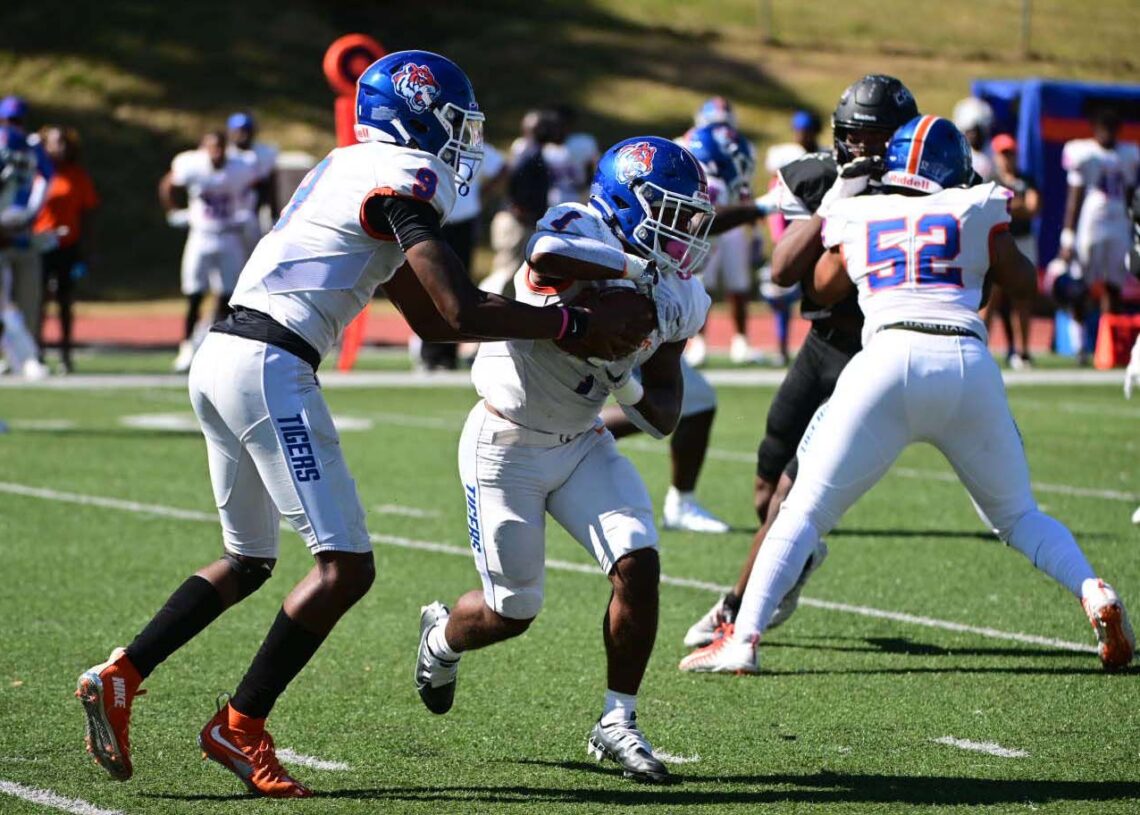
251,574
521,606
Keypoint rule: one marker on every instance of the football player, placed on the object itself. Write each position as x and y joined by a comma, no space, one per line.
917,256
727,158
242,131
216,186
864,119
367,215
535,443
1102,172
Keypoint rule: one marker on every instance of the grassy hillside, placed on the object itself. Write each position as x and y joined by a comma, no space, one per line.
143,80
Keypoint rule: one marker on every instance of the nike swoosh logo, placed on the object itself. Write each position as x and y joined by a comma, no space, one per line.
216,735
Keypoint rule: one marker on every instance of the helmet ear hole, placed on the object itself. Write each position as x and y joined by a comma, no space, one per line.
621,202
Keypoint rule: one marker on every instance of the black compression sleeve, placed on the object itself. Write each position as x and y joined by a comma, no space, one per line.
408,221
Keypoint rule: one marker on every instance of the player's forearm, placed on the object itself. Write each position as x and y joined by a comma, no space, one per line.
579,258
794,257
661,407
1073,203
734,215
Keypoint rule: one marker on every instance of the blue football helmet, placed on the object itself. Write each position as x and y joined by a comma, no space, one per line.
715,111
421,100
654,195
927,154
725,155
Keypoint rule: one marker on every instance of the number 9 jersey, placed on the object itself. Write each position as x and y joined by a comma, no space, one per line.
319,266
919,258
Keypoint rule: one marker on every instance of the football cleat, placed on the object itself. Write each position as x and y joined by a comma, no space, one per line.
435,677
185,356
792,599
107,692
741,353
682,512
696,352
725,655
703,631
624,743
242,745
1115,641
1136,516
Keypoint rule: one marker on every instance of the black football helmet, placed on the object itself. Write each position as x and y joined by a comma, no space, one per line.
868,113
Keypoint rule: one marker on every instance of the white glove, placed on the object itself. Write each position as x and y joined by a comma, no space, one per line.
178,218
1132,372
853,179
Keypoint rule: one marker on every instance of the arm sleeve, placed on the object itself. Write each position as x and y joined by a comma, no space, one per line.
404,220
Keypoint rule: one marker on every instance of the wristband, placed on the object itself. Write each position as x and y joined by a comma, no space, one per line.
1068,238
630,393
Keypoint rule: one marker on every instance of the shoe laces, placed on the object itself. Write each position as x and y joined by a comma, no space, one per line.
628,735
264,759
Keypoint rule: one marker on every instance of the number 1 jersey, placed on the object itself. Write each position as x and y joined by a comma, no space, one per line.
919,258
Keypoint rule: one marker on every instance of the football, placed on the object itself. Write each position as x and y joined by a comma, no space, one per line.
619,292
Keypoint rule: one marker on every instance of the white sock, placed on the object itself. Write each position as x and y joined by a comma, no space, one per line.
675,495
790,542
618,707
437,644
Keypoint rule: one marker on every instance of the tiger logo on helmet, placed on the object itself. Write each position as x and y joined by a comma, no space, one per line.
634,161
417,85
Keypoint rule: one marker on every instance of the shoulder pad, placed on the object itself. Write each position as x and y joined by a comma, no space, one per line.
419,176
573,219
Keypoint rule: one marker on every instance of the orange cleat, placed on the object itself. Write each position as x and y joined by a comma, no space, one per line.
1115,641
241,745
107,692
726,654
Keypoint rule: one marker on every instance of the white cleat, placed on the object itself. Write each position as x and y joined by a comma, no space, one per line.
185,357
703,631
724,655
792,599
696,352
1136,516
741,353
623,742
1115,641
681,511
35,370
435,677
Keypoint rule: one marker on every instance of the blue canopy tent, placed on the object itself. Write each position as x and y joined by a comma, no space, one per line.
1043,114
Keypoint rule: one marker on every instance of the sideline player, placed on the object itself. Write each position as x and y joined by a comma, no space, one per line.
216,186
1101,174
918,257
867,114
242,132
535,443
367,214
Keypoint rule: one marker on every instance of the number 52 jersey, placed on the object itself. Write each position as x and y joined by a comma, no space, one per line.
919,258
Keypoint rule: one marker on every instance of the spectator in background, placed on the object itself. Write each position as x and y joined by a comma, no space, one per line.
583,149
1023,208
461,231
261,198
975,119
528,190
1102,172
63,229
19,214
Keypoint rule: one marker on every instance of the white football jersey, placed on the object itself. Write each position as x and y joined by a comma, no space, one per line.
319,266
919,258
263,157
1106,176
536,384
216,195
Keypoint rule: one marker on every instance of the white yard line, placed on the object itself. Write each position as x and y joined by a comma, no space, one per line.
285,754
406,512
47,798
669,758
559,565
989,747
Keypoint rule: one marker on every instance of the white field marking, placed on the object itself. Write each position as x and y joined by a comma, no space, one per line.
407,512
285,754
427,422
669,758
47,798
185,422
564,566
462,379
1078,408
990,747
41,424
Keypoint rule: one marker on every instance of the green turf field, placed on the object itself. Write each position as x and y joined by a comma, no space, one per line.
844,718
